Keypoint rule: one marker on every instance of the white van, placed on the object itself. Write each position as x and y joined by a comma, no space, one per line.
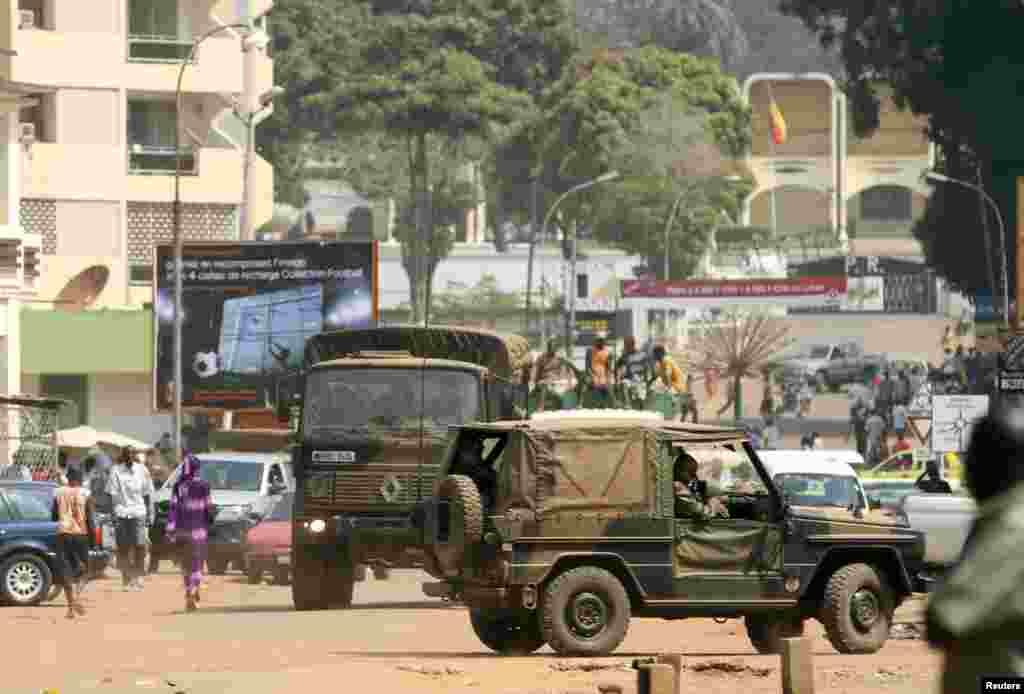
817,479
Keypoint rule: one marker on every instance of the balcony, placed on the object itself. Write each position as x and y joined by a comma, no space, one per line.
100,172
79,59
161,161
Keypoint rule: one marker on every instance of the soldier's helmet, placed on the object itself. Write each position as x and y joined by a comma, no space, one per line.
995,456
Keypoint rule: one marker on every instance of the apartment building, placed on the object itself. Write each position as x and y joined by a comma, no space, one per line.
94,166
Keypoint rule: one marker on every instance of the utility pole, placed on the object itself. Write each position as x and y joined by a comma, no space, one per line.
534,230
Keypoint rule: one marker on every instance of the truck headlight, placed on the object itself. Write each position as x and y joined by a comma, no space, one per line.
317,526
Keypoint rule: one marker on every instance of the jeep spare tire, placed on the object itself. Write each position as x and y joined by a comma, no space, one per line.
459,523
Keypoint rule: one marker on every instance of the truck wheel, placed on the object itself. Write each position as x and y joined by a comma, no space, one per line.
585,611
465,520
857,609
507,632
766,634
309,583
341,584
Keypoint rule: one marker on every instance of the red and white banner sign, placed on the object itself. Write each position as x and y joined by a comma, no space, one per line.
794,291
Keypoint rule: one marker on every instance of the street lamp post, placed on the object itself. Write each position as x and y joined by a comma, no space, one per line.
603,178
933,178
251,117
252,36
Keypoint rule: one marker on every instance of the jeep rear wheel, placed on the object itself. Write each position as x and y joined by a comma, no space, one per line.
463,523
585,612
766,634
857,609
507,632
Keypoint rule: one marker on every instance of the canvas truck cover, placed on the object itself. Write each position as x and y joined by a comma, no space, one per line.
591,465
505,355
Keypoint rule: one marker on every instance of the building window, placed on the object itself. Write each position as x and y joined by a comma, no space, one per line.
158,31
73,388
886,204
42,116
151,126
35,14
140,274
582,286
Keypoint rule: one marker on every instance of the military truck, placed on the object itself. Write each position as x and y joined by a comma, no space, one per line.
376,406
568,529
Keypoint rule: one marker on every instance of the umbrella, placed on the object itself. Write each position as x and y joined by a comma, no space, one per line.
78,437
87,437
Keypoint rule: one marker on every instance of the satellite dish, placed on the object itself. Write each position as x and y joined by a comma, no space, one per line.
83,289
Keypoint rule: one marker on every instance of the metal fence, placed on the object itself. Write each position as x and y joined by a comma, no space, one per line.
28,437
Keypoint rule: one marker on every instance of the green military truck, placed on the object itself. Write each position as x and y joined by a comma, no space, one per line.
566,526
376,406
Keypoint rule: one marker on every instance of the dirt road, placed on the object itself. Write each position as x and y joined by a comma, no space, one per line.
247,639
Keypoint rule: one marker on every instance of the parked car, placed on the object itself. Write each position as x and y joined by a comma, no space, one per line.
269,544
945,520
28,543
831,365
889,493
244,488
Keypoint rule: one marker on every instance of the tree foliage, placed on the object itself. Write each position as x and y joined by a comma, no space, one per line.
649,113
927,52
430,75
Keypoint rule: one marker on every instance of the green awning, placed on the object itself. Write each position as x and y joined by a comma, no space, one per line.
62,342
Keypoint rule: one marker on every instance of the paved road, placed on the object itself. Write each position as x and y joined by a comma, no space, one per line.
247,639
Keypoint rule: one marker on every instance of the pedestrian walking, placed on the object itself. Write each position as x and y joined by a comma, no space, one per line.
874,429
977,614
188,522
131,491
73,512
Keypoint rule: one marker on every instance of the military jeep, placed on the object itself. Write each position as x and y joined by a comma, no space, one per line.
573,531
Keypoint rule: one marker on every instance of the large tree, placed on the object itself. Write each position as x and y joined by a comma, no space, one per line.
927,52
437,74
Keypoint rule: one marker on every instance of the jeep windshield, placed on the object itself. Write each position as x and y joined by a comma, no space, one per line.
345,401
814,489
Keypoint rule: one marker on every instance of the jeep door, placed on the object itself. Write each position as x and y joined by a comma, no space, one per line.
738,558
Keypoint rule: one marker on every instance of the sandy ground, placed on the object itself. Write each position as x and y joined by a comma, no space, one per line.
247,639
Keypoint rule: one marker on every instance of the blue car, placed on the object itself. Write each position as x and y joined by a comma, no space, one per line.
28,543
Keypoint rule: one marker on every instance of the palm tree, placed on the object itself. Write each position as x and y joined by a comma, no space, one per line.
740,345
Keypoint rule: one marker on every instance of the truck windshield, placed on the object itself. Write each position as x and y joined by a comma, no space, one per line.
343,400
805,489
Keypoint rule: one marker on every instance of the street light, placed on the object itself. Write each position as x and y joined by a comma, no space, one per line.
675,208
934,177
253,37
603,178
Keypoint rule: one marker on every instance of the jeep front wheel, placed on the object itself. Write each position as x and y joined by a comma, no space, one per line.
857,609
766,634
507,632
585,612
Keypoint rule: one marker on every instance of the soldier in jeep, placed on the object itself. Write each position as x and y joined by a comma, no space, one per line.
694,497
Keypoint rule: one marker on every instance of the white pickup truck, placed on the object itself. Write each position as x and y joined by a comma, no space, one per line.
945,520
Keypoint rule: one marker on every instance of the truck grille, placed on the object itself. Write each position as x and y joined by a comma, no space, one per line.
334,490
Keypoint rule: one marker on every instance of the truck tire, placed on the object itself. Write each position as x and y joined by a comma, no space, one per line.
341,584
309,583
465,521
766,634
507,632
585,611
857,609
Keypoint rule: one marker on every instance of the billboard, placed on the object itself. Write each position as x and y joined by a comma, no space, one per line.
247,310
793,291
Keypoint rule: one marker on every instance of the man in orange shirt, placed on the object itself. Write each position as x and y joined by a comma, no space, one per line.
73,513
599,371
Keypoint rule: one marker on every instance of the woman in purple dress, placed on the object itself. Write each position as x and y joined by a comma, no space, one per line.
187,522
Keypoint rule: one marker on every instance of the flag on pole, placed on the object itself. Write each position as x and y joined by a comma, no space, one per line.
778,122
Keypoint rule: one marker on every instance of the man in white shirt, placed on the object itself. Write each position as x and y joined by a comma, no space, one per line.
131,490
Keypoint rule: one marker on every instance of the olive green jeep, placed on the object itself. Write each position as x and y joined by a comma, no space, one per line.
563,527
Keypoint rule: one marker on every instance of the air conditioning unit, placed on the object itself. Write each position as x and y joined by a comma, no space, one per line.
27,19
28,133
